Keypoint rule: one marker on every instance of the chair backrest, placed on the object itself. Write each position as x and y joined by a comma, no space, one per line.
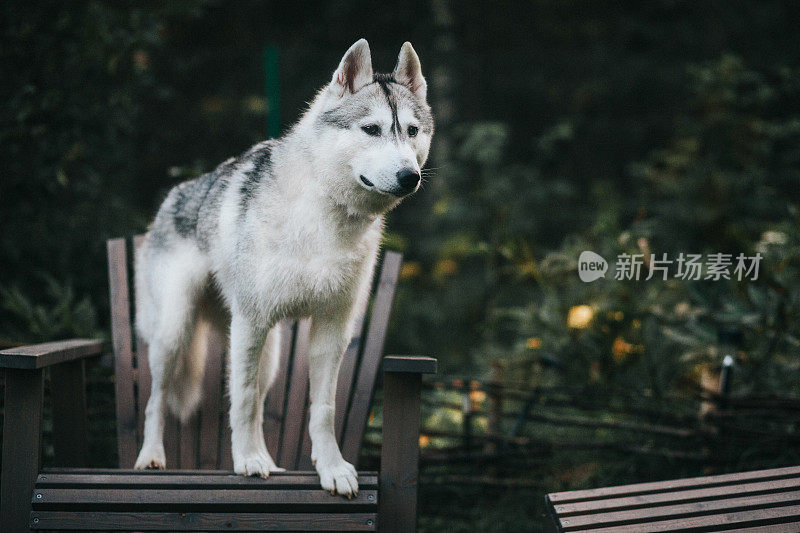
204,441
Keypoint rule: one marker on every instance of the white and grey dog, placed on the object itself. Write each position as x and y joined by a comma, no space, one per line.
291,228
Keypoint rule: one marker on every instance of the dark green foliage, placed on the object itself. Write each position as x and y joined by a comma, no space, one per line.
60,318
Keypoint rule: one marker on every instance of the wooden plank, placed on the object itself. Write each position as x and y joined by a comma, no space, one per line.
304,458
297,399
194,499
650,514
172,440
225,457
49,353
775,528
195,479
125,471
347,371
190,434
370,360
210,406
400,454
756,518
123,355
673,484
164,521
419,364
645,500
68,391
22,435
275,405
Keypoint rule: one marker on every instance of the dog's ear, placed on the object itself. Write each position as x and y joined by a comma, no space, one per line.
355,70
408,71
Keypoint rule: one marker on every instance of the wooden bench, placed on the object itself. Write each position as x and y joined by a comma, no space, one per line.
200,492
760,501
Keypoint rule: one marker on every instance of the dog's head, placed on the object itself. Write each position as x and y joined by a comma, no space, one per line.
379,127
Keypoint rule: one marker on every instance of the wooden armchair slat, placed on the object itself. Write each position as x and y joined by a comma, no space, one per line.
358,412
127,431
276,402
294,418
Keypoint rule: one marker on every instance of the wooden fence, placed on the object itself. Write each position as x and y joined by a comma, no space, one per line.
503,422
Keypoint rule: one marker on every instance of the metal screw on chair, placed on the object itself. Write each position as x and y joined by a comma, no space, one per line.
371,497
39,496
35,520
369,522
565,522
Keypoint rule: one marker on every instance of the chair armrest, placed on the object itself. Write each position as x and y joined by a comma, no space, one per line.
414,364
402,382
37,356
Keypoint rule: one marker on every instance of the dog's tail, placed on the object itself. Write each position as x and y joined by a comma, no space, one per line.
182,363
184,390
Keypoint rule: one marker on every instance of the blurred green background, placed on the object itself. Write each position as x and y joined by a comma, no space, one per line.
562,126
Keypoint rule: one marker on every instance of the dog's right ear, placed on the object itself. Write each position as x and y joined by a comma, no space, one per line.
355,70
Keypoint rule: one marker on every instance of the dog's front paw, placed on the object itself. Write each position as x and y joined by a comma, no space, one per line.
151,458
256,465
338,477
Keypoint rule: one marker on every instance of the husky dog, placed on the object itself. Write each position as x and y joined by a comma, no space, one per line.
289,229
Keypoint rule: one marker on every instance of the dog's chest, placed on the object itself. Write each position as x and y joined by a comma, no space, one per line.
303,270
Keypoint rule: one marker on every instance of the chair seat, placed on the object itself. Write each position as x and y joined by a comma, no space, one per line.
197,500
764,500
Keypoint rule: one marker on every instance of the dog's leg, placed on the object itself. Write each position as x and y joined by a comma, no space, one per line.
164,356
329,335
152,455
249,380
171,308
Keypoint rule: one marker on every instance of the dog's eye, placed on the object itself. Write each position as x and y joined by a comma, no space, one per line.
372,129
412,131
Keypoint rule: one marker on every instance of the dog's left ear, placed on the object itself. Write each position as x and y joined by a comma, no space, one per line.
408,71
355,70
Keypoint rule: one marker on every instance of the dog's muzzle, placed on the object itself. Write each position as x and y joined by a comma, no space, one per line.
407,179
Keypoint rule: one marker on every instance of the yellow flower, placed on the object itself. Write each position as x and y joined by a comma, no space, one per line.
579,316
446,267
410,269
424,441
621,349
533,343
477,396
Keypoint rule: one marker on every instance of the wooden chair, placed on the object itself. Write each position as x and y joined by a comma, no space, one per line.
200,492
761,501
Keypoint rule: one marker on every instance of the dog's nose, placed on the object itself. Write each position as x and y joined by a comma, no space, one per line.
408,179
